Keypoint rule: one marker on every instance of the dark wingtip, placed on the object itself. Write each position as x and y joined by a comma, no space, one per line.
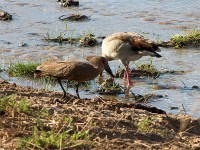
158,55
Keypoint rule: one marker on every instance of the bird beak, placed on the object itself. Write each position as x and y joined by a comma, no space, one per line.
108,70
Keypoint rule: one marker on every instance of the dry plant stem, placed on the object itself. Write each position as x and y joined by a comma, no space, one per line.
34,145
184,109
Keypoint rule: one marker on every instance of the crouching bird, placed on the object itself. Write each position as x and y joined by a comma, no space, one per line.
128,46
78,71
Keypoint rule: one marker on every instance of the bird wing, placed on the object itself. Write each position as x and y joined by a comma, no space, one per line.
135,40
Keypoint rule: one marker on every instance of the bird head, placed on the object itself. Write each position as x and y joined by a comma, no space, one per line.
101,62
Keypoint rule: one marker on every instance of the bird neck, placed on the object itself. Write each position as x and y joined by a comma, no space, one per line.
98,66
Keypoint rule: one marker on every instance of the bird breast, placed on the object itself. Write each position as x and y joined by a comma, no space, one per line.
118,49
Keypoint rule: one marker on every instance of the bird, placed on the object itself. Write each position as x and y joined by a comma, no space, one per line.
75,70
126,47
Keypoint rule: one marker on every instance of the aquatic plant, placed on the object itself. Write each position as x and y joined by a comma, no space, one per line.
190,38
87,39
61,37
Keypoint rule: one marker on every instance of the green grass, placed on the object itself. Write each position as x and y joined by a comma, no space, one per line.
190,38
10,104
148,69
146,125
60,37
20,69
55,139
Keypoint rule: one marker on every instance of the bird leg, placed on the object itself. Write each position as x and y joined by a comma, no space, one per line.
125,74
130,83
59,81
77,93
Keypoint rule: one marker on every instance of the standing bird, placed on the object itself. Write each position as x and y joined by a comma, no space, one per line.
78,71
128,46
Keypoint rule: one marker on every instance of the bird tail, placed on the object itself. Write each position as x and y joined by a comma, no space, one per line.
154,54
149,52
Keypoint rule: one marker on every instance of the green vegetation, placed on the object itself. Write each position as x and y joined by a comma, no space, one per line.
109,87
87,39
55,138
190,38
20,69
146,125
41,130
60,36
147,69
141,69
10,104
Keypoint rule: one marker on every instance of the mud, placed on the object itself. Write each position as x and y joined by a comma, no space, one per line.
111,124
74,17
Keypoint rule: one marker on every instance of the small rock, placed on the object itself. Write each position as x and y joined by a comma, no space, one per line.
69,3
74,17
195,87
51,111
22,44
5,16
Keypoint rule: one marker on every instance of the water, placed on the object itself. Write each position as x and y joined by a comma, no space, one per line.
158,19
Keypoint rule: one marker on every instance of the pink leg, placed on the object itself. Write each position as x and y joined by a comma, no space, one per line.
125,74
130,83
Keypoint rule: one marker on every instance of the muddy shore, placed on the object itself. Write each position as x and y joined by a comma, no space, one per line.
109,124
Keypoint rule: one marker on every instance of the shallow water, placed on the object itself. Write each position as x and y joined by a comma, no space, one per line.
155,19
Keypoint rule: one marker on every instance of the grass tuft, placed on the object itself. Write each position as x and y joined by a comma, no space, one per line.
53,139
10,104
20,69
190,38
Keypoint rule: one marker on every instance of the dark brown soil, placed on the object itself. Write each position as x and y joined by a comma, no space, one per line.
111,124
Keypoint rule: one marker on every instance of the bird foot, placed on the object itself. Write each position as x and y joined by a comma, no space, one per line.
130,85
